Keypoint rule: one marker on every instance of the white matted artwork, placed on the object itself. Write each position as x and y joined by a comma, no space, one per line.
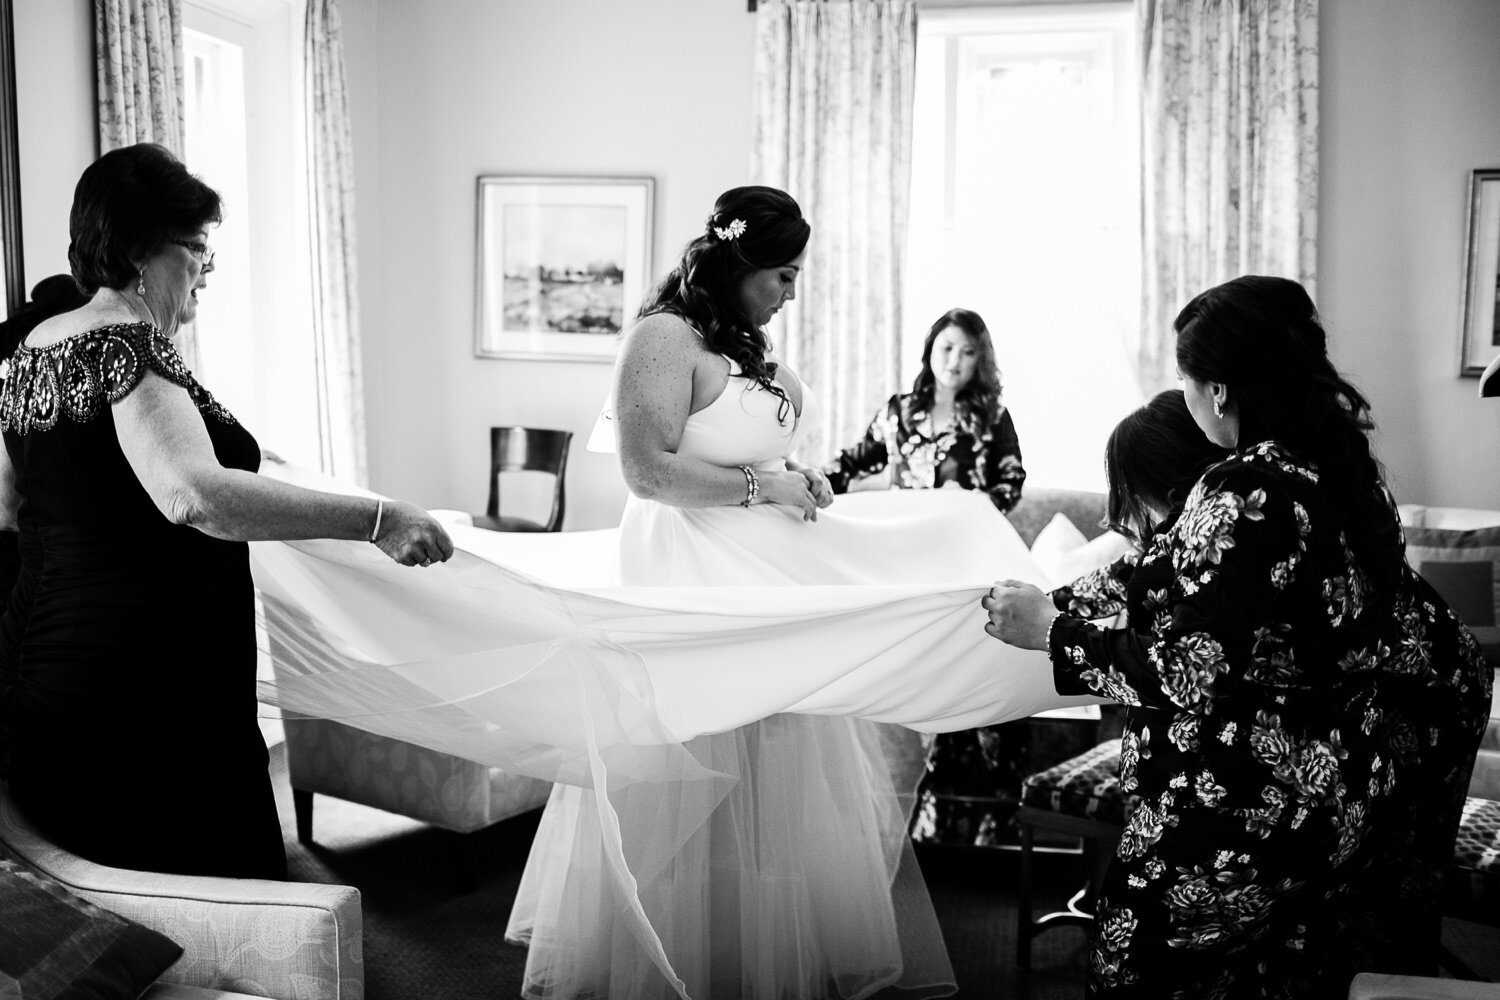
562,263
1480,340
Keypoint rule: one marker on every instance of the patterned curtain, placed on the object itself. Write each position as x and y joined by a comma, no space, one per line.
139,66
1229,147
330,151
139,46
833,115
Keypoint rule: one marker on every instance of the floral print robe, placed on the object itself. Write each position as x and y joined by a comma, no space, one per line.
1299,749
972,454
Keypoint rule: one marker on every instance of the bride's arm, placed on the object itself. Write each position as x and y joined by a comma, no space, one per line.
653,397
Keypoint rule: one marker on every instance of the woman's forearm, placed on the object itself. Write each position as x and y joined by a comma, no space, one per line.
681,481
241,506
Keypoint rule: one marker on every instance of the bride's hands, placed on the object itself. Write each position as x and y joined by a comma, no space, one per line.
792,489
817,484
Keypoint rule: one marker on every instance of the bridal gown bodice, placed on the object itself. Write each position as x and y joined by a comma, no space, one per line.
746,424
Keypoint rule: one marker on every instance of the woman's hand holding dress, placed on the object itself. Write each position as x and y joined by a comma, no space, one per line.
411,536
1020,614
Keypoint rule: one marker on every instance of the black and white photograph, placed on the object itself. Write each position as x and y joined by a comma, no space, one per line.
561,264
750,500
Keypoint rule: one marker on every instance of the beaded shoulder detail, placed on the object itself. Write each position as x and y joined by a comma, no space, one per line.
77,377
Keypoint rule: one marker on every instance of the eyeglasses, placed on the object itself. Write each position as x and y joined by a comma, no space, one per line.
202,251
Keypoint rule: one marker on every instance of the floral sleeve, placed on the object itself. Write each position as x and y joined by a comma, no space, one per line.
870,454
1234,549
1098,594
1003,473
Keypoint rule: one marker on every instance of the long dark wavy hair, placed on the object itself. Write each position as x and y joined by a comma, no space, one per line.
703,288
977,404
1153,458
1261,338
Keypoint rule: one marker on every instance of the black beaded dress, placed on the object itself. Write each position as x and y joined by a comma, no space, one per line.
131,639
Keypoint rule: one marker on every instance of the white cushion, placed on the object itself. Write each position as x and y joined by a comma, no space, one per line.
1459,518
1065,554
1053,543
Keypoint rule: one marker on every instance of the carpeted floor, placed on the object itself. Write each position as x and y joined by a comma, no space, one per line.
426,937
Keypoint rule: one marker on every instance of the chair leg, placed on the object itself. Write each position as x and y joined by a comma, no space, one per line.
302,806
1023,902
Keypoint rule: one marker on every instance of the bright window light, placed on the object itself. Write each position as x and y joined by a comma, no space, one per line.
1025,208
244,137
215,150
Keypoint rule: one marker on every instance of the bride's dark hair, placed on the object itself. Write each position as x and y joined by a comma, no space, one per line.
751,229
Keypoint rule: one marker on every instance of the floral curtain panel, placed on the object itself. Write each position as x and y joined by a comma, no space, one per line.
139,69
1229,148
335,289
833,113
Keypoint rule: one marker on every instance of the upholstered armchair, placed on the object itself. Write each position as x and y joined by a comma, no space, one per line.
240,937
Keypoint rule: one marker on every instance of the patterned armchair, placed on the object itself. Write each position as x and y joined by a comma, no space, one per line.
240,937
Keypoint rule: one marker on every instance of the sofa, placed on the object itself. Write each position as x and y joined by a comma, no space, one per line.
1457,549
1039,505
239,937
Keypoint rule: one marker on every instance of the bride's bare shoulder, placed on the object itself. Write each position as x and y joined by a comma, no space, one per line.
662,339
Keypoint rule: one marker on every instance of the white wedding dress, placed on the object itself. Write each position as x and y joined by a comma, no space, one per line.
801,883
702,684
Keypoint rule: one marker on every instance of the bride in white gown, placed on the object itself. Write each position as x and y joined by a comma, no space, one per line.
725,824
801,884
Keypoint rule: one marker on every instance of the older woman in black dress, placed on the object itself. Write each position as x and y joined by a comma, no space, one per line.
130,631
1304,710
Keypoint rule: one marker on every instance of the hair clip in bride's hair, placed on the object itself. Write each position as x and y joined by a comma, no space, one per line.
733,231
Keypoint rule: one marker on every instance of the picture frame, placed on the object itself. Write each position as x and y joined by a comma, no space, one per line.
561,264
1479,342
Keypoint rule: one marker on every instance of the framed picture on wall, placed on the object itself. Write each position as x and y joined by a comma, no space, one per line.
1480,342
561,265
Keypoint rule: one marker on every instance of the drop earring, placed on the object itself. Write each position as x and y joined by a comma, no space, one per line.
1218,409
140,288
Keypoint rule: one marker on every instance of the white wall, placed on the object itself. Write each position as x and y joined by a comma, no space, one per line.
55,123
1407,108
457,88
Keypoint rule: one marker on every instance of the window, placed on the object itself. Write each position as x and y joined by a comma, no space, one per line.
1025,208
244,137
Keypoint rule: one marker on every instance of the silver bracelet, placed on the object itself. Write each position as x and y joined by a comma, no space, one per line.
1050,626
752,486
379,513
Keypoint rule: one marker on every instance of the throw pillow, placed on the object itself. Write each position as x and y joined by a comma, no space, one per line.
55,945
1096,553
1065,554
1057,538
1463,565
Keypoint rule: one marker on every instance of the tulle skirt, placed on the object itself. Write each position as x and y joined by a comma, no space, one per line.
802,882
